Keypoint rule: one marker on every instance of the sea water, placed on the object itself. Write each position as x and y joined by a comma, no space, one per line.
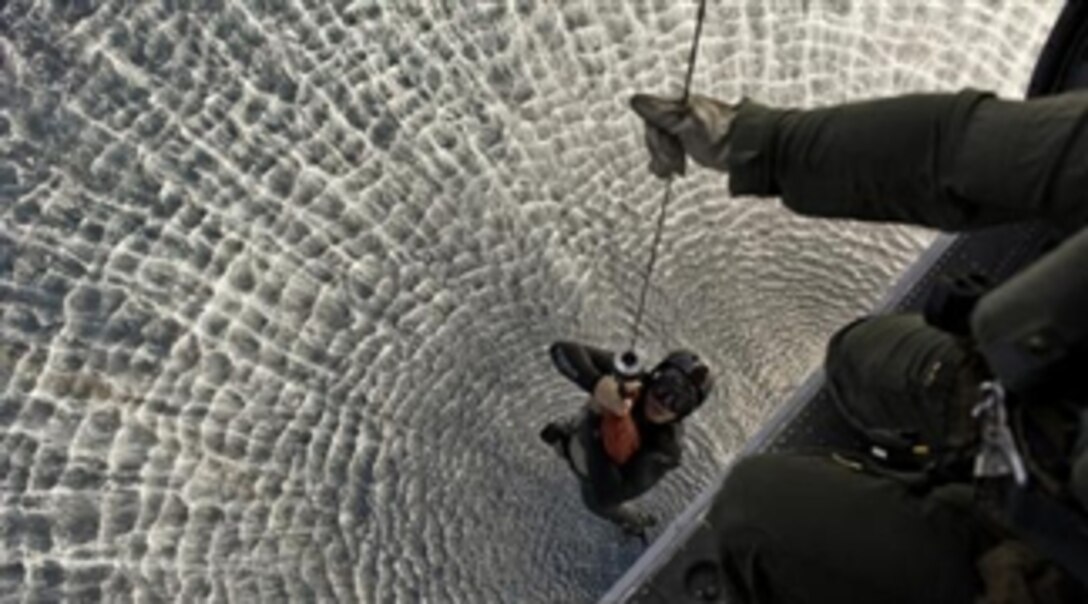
278,277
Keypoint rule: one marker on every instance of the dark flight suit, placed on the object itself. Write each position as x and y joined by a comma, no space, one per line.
605,486
951,162
796,528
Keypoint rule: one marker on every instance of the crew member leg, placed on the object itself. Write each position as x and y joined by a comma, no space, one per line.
895,375
952,162
797,529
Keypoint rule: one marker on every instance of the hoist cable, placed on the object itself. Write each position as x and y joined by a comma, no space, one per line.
700,17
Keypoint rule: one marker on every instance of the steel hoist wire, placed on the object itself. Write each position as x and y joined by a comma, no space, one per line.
667,198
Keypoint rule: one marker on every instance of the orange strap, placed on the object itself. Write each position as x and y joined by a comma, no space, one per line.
620,436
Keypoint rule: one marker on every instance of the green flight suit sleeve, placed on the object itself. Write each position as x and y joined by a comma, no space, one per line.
948,161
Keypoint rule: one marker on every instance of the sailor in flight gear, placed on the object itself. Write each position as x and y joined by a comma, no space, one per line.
628,436
805,528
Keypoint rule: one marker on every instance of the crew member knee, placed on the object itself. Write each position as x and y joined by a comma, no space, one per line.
839,347
751,480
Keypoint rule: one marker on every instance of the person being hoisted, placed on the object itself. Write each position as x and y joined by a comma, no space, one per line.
628,436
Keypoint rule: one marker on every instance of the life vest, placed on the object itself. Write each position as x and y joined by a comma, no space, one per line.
619,434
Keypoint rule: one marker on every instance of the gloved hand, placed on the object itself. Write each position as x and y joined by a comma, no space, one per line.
699,129
608,398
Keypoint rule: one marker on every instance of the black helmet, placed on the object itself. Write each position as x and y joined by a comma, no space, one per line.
681,382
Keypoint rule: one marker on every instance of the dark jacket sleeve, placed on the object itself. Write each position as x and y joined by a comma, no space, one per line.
583,365
949,161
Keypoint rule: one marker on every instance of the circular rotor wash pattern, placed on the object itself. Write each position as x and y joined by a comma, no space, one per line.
278,277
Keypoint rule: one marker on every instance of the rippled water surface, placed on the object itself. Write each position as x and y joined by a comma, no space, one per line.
277,277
